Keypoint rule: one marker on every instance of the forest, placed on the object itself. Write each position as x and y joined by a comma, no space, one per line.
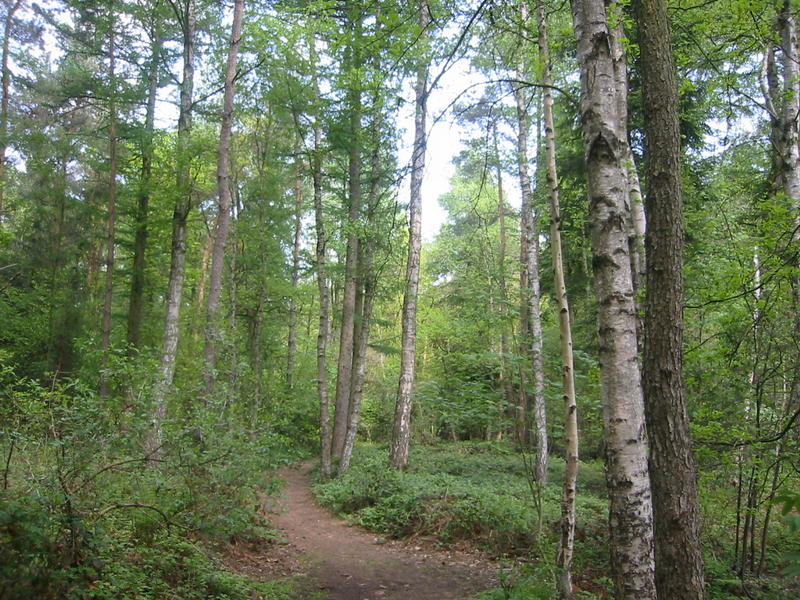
238,361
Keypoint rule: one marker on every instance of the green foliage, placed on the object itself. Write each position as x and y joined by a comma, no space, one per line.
474,492
791,515
84,515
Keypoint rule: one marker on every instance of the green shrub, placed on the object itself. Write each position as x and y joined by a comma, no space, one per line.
475,492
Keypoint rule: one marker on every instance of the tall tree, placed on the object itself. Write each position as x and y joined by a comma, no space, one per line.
224,202
604,121
111,223
11,10
401,432
143,193
291,341
346,332
566,546
185,14
679,562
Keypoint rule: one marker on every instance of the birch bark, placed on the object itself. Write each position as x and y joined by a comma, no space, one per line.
183,203
604,119
567,543
401,432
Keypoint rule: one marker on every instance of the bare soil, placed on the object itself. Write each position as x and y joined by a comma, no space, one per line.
348,563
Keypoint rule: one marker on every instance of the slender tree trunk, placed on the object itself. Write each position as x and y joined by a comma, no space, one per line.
324,307
531,319
225,200
4,101
401,432
360,355
505,372
536,350
604,120
783,102
180,216
346,335
111,226
136,303
679,562
202,289
291,350
369,285
566,546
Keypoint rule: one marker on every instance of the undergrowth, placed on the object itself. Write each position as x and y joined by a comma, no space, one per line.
480,494
85,515
476,494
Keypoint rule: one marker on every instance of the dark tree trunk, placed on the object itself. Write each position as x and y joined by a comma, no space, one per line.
679,562
291,342
346,334
111,223
136,305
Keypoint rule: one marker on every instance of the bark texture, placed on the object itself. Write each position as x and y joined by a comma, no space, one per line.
679,562
567,543
224,202
401,431
604,117
183,204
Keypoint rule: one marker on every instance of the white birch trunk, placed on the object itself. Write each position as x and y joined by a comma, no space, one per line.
401,434
604,119
567,543
155,437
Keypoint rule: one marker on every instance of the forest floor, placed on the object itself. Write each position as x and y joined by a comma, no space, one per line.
346,562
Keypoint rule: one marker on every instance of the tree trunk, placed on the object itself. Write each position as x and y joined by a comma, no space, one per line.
368,281
783,102
505,372
225,199
567,543
679,562
324,309
346,334
536,351
136,303
111,226
291,344
360,354
177,270
604,119
4,101
401,432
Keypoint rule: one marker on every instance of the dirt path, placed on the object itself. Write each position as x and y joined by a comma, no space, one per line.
349,563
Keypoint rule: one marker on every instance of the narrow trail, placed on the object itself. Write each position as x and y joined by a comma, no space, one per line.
349,563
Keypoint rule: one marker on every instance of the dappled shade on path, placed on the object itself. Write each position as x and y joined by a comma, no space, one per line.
349,563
